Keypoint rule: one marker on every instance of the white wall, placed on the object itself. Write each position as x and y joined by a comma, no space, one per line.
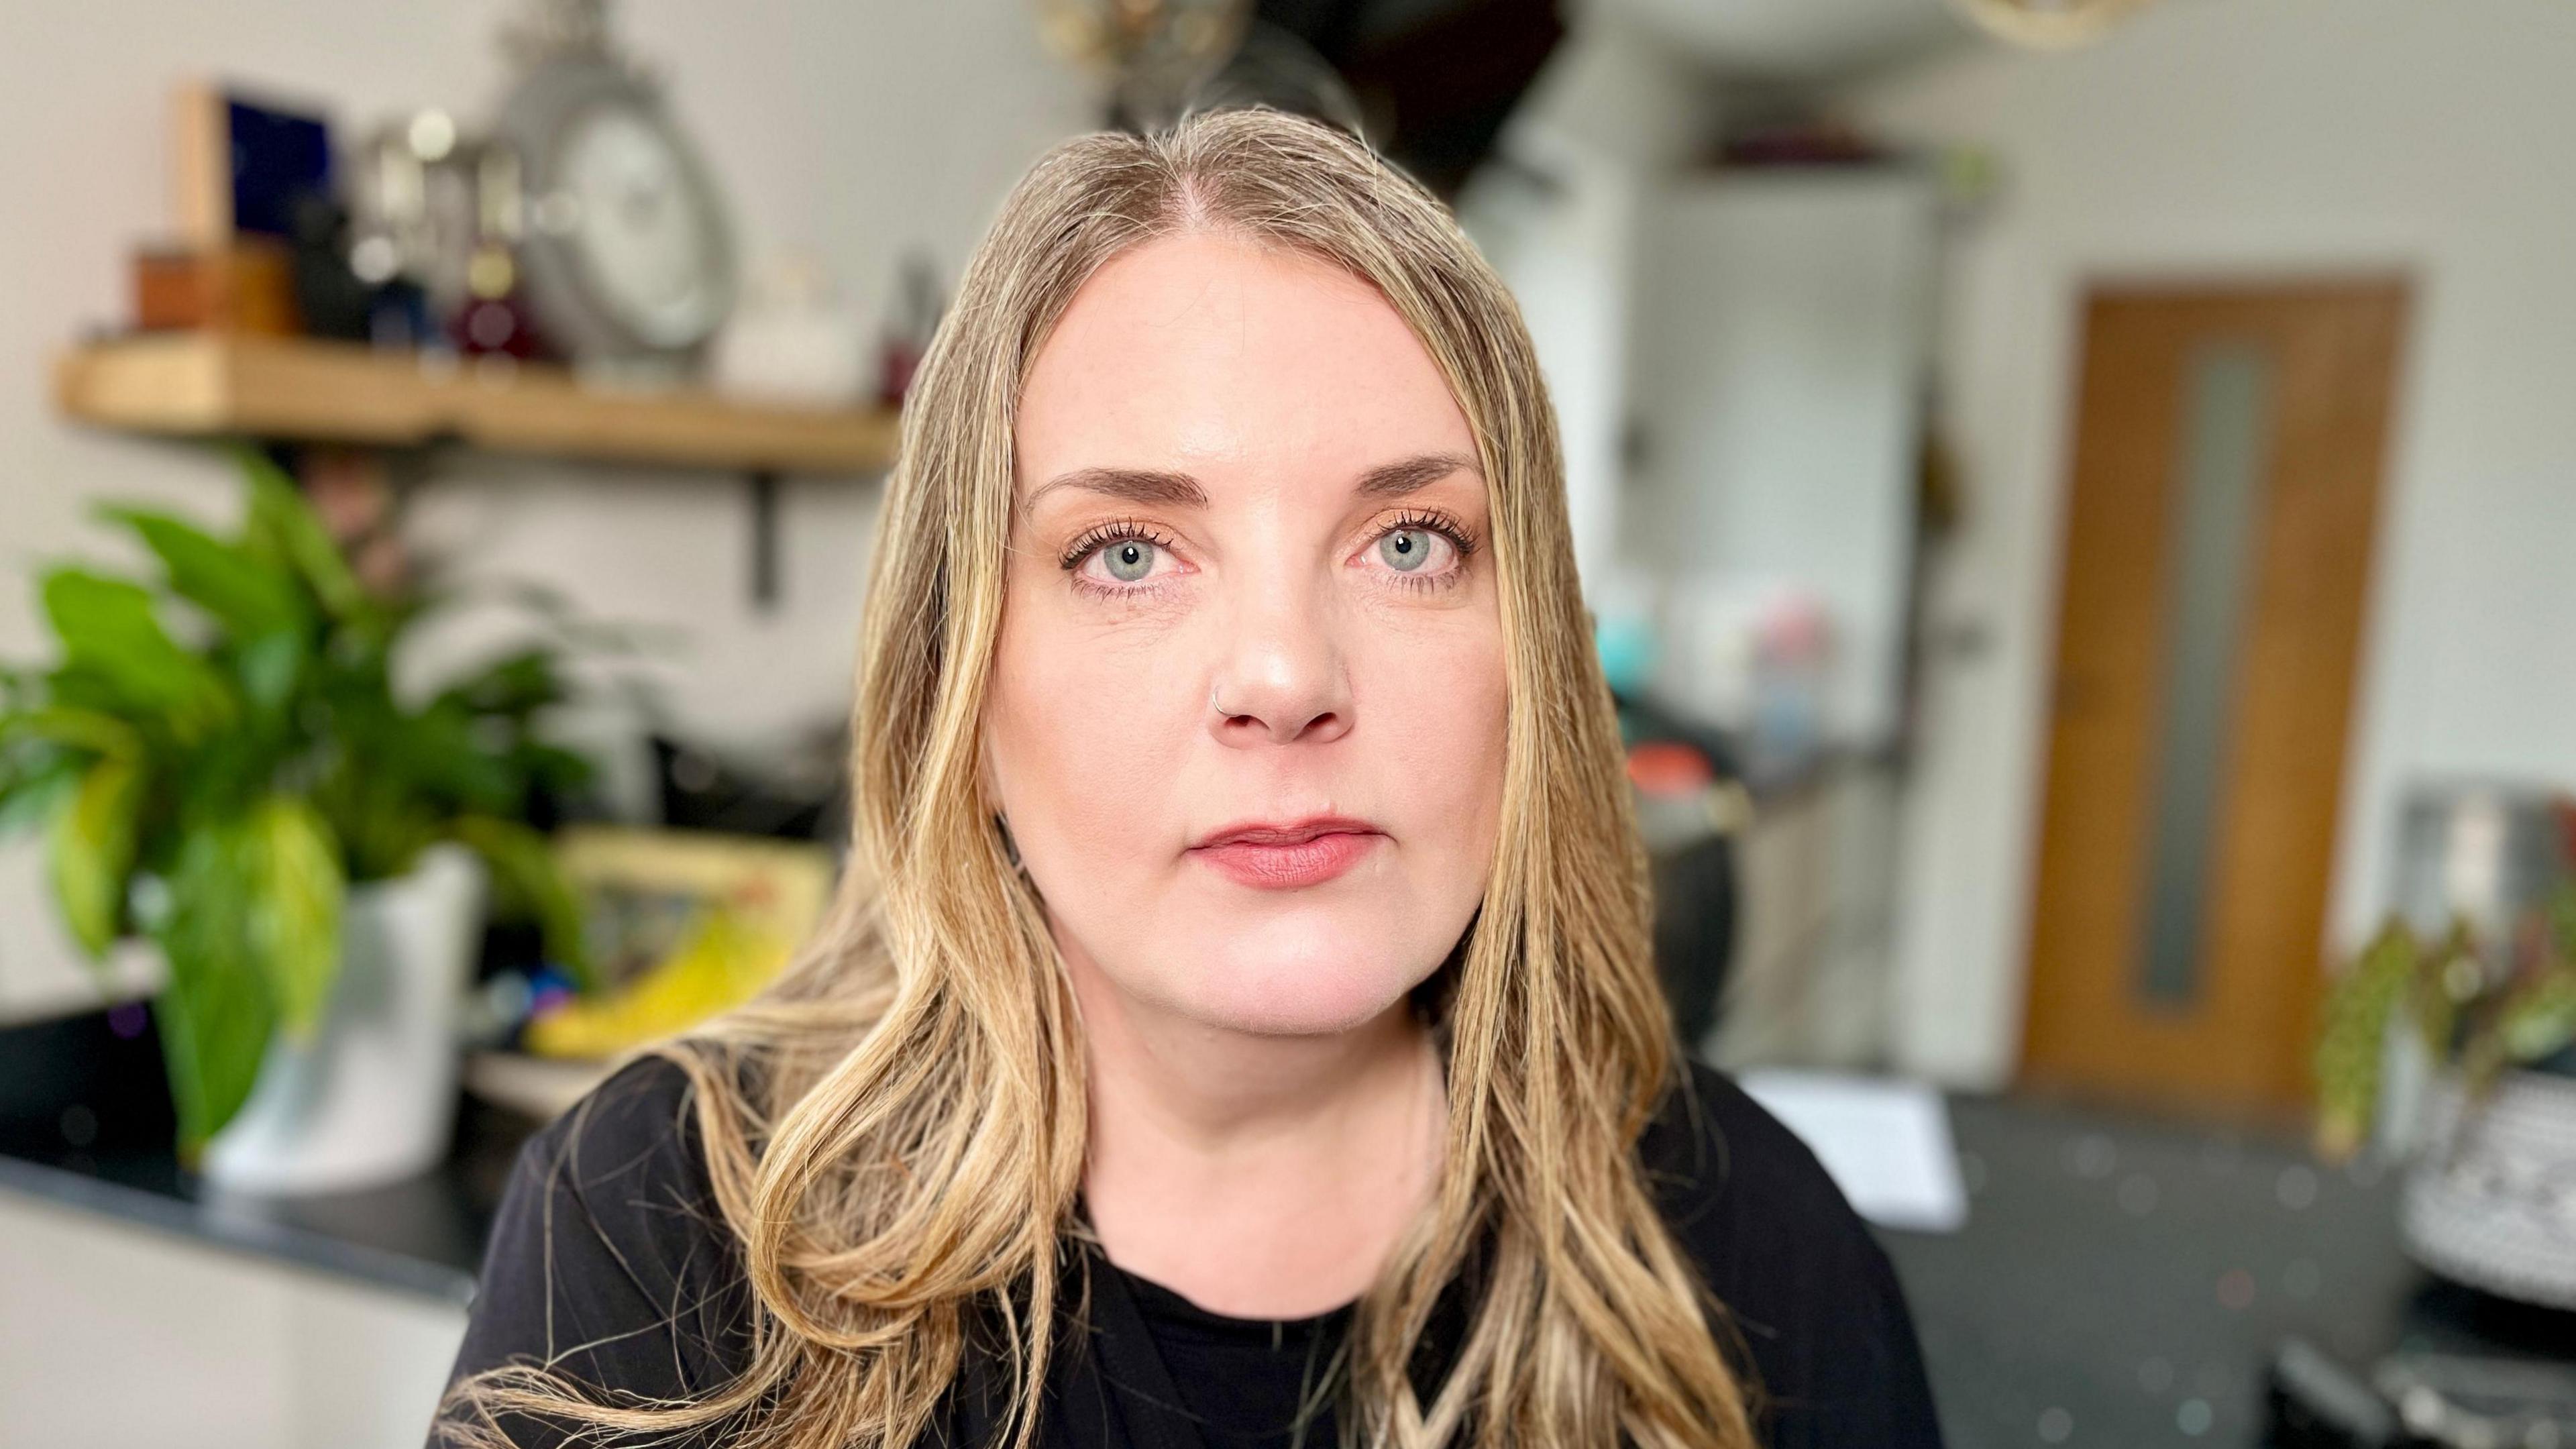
2232,138
1614,111
851,128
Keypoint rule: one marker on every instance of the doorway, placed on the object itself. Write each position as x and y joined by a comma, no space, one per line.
2226,476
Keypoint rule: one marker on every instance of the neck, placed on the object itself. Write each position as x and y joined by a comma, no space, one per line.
1264,1176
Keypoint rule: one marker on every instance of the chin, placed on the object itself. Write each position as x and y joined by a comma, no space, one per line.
1316,987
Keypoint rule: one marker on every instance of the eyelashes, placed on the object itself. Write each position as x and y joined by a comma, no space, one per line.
1437,522
1100,536
1460,537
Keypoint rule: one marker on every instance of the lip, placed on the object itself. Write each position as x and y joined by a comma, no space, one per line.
1271,856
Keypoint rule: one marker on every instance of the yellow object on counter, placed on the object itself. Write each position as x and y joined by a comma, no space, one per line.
755,902
723,960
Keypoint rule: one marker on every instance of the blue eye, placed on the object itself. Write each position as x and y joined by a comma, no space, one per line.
1129,559
1126,549
1405,549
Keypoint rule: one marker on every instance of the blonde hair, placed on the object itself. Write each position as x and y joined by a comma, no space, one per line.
895,1131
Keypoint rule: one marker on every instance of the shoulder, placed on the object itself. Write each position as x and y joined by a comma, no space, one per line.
633,1137
1806,1286
1728,1174
624,1171
609,1261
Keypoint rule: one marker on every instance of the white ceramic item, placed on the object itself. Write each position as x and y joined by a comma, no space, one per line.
372,1097
2491,1202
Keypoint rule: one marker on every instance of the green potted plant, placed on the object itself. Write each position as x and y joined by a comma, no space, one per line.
2495,1018
224,767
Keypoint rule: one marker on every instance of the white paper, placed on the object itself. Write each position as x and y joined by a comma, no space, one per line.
1885,1142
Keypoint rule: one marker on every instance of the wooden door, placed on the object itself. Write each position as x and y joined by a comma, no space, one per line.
2226,478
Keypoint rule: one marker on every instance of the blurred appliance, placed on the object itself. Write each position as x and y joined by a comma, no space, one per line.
2417,1399
1777,372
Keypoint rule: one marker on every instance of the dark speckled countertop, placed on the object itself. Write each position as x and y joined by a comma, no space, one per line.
85,1123
423,1235
2127,1281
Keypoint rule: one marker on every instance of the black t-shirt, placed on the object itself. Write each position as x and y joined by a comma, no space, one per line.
1243,1379
609,1259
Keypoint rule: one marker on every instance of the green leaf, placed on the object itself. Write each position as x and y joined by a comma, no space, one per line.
559,770
2357,1013
441,750
518,685
111,633
216,1014
82,729
270,667
2541,1019
34,793
93,851
524,868
296,895
283,527
245,594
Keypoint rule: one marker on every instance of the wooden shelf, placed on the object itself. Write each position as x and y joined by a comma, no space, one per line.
212,385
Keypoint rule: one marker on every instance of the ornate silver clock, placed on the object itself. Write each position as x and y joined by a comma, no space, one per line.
626,253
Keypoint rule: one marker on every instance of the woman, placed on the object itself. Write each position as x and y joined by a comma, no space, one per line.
1237,1024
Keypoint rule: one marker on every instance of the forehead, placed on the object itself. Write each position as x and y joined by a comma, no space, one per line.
1204,350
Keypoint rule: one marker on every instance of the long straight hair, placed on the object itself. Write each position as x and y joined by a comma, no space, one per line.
895,1131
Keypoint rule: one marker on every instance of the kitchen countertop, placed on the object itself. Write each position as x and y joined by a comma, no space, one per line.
423,1235
2120,1280
2124,1280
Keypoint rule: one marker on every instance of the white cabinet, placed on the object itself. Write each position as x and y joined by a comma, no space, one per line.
1779,349
114,1335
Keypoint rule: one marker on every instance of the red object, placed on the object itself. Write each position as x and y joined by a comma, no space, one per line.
1669,767
485,326
895,367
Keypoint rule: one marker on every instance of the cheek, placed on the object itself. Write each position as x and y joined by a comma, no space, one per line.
1082,729
1438,704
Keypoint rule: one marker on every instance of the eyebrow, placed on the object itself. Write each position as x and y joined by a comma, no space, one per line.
1411,475
1180,490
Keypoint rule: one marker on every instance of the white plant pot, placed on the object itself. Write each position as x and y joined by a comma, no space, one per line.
371,1099
2491,1201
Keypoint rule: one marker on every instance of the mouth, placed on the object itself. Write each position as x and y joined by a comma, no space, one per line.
1272,856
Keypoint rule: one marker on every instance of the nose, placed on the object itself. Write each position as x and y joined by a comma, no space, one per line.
1281,677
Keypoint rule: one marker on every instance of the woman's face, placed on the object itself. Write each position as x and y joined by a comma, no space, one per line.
1248,590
